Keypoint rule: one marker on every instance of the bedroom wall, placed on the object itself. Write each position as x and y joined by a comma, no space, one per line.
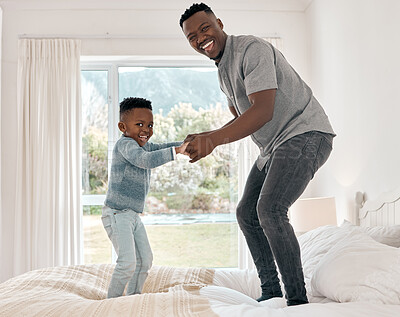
1,226
154,31
354,56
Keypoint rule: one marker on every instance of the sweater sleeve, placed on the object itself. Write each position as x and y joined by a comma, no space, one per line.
159,146
143,158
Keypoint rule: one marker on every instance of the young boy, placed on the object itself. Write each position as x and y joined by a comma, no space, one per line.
132,161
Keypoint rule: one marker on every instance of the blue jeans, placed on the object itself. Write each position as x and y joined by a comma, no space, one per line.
129,238
262,212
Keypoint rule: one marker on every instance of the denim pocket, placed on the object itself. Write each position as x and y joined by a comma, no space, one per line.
324,152
328,138
311,145
107,224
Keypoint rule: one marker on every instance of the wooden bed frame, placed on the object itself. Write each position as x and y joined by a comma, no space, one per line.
383,211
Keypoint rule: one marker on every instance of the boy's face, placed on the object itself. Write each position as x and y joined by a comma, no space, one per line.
205,34
137,124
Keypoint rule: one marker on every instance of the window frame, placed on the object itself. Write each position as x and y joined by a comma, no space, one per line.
111,64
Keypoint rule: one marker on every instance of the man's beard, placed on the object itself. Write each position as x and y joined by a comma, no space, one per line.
218,56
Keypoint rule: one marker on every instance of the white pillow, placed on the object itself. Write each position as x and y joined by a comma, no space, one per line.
389,235
316,243
227,295
243,281
359,268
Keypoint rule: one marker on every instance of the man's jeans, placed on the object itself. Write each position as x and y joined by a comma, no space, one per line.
262,212
129,238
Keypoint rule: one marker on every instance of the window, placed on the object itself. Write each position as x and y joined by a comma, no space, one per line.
95,103
189,213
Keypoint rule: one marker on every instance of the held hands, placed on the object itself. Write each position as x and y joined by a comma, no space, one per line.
198,146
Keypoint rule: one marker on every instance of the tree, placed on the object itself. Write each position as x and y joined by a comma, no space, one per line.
94,139
209,178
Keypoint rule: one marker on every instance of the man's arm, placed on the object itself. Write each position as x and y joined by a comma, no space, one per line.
190,137
233,111
260,112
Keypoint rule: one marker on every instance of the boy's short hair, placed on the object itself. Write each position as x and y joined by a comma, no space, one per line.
194,8
130,103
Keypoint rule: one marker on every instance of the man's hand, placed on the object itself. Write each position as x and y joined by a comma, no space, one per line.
200,145
190,137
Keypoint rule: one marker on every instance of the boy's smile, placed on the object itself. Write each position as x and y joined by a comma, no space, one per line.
138,125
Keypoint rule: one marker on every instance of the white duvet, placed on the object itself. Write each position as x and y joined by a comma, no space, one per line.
233,301
348,274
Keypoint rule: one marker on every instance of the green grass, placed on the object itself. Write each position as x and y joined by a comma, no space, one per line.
96,245
194,245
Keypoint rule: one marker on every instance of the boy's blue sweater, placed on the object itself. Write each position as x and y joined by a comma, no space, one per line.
131,166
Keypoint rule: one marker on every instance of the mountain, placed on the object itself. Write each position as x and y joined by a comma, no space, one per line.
166,87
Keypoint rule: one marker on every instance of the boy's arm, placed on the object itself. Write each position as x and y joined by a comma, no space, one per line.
178,147
139,157
159,146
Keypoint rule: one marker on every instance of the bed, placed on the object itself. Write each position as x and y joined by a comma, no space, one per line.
350,270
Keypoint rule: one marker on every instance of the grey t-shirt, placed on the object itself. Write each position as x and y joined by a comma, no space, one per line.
250,64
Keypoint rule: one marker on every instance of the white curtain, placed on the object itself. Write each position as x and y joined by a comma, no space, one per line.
248,153
47,215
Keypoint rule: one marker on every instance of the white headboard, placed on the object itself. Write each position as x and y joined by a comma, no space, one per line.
383,211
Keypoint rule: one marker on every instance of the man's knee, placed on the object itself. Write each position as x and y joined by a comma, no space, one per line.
271,214
243,214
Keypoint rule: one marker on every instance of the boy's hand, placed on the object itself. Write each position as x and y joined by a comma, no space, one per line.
182,148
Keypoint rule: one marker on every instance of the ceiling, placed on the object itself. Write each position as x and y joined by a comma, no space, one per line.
236,5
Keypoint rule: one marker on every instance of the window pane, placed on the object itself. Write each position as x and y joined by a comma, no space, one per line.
189,212
97,248
96,245
170,86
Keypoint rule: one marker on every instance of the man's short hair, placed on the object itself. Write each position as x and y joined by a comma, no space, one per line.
133,102
194,8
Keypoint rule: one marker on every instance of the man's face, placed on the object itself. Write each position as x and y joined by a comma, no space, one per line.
138,125
205,34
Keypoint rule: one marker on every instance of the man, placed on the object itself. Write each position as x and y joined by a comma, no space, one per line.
271,103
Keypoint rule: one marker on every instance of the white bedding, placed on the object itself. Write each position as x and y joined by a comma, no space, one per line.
348,274
239,307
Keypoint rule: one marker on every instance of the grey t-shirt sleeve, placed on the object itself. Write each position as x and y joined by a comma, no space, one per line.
259,69
230,103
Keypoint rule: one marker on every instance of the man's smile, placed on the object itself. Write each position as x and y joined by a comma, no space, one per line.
207,46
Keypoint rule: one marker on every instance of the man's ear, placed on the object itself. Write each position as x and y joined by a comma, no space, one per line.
221,25
122,126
